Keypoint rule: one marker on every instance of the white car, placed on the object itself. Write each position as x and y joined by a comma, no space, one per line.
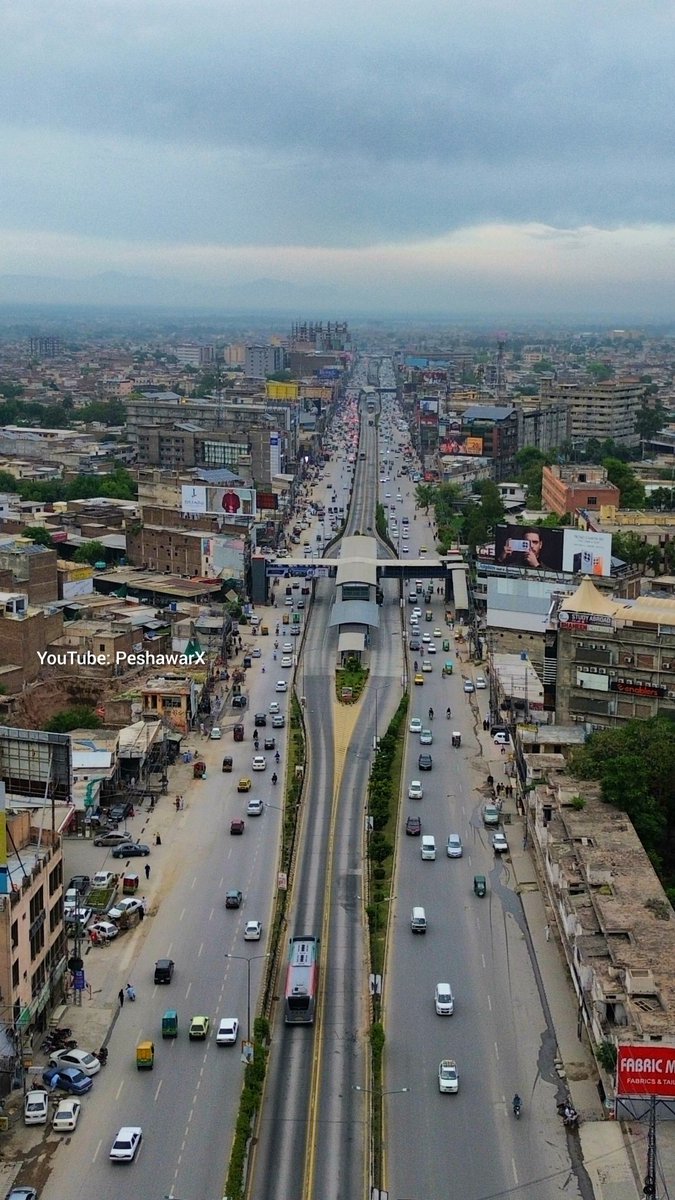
426,638
259,762
228,1031
404,549
82,1059
481,683
281,686
448,1079
252,931
468,687
426,737
415,791
431,648
35,1107
256,652
287,648
67,1115
417,612
255,808
415,725
501,739
216,734
426,665
127,904
499,843
287,660
444,1000
273,706
126,1143
437,632
104,929
454,846
414,620
278,721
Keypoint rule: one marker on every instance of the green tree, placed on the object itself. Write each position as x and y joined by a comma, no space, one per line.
650,421
39,535
8,482
600,371
80,717
624,477
630,548
90,552
662,499
531,463
425,495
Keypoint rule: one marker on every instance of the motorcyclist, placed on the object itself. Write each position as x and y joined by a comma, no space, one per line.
415,664
448,712
517,1104
277,757
274,777
431,714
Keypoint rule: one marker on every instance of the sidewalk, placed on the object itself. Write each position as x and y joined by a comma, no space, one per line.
606,1153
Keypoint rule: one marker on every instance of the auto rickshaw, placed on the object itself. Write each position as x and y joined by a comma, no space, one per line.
479,885
227,763
247,661
145,1056
170,1023
448,667
264,630
446,645
199,769
456,739
239,733
130,884
428,616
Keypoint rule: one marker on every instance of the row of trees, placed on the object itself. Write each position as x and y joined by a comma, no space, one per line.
635,766
118,484
63,415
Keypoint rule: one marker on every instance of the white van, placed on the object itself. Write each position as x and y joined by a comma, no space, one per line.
428,848
418,920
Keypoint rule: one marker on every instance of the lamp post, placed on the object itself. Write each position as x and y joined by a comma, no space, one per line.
248,960
378,1095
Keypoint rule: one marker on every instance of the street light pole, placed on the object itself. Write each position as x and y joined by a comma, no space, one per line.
248,960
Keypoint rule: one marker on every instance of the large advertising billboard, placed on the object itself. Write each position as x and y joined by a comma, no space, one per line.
645,1070
538,547
462,445
239,502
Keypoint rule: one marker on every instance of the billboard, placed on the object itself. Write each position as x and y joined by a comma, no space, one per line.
539,547
646,1070
587,553
268,501
463,445
223,557
428,404
239,502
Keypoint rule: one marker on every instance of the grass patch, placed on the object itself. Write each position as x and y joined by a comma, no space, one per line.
353,675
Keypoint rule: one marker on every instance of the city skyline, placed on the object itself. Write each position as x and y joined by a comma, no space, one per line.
441,159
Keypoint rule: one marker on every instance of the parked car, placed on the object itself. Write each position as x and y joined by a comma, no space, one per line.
79,883
481,683
126,1144
131,850
501,739
82,1059
104,929
239,701
128,904
499,843
67,1079
216,733
120,812
67,1115
36,1107
112,837
233,899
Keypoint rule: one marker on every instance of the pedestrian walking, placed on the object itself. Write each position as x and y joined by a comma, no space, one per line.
177,803
181,805
547,932
141,913
120,997
147,870
158,840
144,904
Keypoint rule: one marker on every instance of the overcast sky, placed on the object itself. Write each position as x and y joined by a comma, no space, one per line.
414,155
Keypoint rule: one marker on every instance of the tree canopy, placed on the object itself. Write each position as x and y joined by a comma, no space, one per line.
624,477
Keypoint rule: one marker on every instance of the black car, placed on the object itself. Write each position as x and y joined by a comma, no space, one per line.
119,812
239,701
163,970
260,719
79,883
425,762
413,826
131,850
233,899
270,743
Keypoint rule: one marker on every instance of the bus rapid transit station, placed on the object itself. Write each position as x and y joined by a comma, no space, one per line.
357,574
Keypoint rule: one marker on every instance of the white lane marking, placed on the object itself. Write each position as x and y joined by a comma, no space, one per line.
199,952
158,1090
182,914
188,989
489,1002
483,960
96,1152
496,1050
119,1090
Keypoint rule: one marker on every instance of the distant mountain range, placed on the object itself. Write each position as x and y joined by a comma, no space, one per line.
112,288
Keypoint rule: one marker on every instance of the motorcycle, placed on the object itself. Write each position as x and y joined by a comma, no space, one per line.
517,1107
569,1114
274,777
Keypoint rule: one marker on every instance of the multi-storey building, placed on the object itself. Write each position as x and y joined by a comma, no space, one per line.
614,659
264,360
542,425
599,410
567,488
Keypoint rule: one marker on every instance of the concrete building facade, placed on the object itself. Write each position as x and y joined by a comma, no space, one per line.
564,489
599,410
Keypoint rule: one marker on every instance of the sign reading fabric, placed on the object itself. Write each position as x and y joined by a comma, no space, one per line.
645,1070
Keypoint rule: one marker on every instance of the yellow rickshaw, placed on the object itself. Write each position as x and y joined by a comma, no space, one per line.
145,1056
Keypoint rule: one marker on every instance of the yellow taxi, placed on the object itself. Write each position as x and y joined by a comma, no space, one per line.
244,784
419,679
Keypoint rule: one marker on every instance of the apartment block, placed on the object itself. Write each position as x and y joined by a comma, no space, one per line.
26,567
543,425
24,633
599,410
565,489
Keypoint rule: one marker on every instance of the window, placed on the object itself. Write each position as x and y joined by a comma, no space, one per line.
592,500
16,974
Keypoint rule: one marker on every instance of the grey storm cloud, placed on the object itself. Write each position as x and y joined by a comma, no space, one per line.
335,125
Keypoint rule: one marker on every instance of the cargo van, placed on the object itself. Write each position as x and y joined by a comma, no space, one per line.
418,920
428,848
